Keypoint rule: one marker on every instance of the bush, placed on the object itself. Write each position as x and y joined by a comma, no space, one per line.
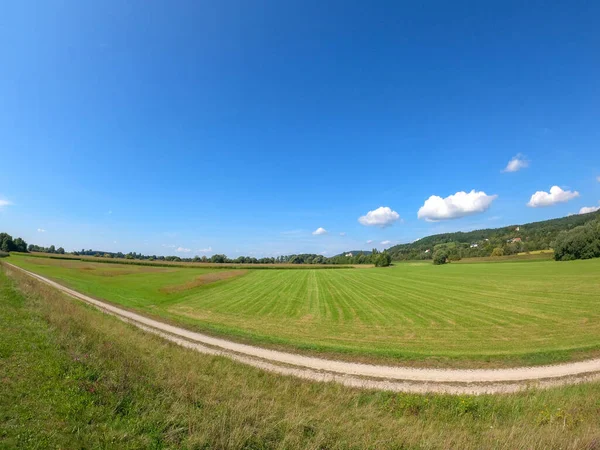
581,242
4,254
383,260
498,251
440,257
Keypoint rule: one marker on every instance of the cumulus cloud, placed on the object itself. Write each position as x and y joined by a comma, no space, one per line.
4,202
370,241
455,206
183,250
41,230
208,249
380,217
319,231
516,163
556,195
343,233
598,178
589,209
386,242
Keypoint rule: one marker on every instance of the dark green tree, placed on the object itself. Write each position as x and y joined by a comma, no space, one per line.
383,260
440,257
579,243
6,242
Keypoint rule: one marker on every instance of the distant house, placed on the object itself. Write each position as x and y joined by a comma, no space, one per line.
517,239
517,229
474,245
428,250
349,254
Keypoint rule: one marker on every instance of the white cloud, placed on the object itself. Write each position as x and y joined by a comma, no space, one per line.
556,195
589,209
169,246
380,217
516,163
4,203
343,233
370,241
386,242
41,230
109,212
319,231
208,249
183,250
598,178
455,206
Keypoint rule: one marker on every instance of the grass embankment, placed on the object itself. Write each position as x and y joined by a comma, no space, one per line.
456,315
73,377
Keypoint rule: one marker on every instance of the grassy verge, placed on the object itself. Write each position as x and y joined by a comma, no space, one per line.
72,377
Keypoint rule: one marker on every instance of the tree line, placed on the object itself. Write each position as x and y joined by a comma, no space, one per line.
379,259
8,244
51,249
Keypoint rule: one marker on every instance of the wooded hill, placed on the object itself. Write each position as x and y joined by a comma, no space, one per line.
511,239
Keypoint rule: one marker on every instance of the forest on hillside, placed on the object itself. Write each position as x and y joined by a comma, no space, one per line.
511,239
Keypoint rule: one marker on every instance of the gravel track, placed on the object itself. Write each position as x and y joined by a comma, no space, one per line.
393,378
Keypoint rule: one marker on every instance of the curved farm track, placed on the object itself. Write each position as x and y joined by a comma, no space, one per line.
404,379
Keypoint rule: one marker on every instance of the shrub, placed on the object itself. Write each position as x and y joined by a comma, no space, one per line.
440,257
4,254
498,251
383,260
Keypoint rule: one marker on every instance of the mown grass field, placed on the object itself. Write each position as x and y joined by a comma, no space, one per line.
534,312
73,377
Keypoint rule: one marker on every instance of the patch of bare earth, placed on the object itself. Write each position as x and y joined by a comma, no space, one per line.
204,279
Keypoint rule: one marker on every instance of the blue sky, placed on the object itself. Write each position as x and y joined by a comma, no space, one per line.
242,127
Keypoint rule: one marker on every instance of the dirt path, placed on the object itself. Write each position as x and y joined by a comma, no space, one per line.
405,379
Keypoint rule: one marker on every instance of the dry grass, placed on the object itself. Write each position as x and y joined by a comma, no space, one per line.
541,255
204,279
117,387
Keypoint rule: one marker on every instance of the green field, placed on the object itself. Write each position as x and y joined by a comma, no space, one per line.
73,377
510,313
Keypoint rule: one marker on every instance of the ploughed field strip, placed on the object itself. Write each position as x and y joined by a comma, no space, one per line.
541,310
